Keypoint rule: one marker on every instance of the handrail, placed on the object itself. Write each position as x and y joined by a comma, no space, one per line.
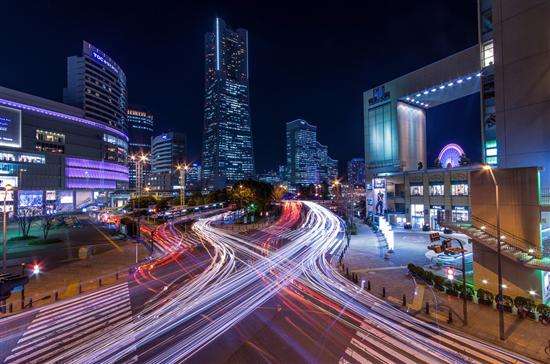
503,232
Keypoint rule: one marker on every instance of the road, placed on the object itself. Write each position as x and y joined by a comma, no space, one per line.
214,297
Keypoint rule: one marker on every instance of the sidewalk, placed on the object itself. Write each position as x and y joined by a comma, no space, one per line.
365,256
66,278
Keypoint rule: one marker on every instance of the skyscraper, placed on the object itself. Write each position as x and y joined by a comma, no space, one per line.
227,146
307,160
356,172
167,151
140,132
96,84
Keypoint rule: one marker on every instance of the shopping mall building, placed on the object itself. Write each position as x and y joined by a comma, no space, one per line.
53,158
507,70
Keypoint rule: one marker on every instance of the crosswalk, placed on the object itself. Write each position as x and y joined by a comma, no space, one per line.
371,345
60,327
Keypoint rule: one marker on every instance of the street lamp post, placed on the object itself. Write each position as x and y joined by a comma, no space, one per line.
182,168
464,299
499,263
4,231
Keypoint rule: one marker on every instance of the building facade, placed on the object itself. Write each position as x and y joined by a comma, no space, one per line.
96,84
54,158
307,160
168,150
140,131
227,145
193,177
356,172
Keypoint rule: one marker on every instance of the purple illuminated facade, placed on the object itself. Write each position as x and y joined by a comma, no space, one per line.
85,173
54,149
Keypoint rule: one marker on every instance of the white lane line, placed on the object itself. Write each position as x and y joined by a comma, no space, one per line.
47,311
354,355
85,310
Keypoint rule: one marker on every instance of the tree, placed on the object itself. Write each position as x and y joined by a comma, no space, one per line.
279,192
464,160
46,223
25,217
420,166
437,163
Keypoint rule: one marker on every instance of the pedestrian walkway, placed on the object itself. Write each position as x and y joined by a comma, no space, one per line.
58,328
79,275
366,257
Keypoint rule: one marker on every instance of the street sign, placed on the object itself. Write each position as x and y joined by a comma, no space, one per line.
434,237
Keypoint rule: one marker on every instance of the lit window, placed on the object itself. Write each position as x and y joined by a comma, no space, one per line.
437,190
487,54
491,152
417,190
460,189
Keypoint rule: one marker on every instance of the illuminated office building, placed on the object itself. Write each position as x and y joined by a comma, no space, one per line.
96,84
168,150
307,160
356,172
140,132
227,145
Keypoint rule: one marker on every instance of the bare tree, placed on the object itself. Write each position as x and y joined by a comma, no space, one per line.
25,217
46,223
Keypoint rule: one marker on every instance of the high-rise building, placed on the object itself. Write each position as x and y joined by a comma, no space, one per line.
167,151
356,172
140,132
96,84
307,160
193,177
227,146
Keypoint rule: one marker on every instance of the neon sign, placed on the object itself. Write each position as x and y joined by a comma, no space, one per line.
102,59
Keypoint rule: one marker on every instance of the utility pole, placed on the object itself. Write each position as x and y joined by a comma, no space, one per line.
5,232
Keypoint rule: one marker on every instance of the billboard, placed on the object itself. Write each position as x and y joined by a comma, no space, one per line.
30,198
10,127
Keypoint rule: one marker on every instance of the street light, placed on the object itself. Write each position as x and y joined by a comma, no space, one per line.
499,263
182,168
7,188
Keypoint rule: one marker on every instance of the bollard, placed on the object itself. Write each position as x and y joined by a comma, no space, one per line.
116,276
427,308
23,298
383,291
450,318
368,285
55,296
99,282
10,307
404,300
30,302
79,287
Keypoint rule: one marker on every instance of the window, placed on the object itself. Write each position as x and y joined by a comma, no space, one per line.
487,54
460,214
460,189
417,190
49,141
437,189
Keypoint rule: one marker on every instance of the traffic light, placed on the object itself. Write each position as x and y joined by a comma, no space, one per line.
10,281
450,273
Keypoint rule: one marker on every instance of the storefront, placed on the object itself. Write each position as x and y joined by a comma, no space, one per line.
435,210
460,214
417,215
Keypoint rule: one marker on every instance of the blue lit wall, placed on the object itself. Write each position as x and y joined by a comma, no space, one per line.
454,122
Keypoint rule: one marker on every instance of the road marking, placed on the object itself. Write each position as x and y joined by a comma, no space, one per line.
108,238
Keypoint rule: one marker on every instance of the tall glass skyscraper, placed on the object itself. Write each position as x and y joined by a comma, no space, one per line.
96,84
307,160
227,146
140,132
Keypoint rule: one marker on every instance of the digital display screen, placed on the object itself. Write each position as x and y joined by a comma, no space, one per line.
30,198
8,180
10,127
65,197
50,195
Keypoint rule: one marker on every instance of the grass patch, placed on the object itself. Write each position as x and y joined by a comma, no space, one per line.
22,238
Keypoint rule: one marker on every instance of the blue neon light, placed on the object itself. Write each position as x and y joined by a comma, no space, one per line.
217,44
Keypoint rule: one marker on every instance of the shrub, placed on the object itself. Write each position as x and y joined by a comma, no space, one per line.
485,297
438,282
543,310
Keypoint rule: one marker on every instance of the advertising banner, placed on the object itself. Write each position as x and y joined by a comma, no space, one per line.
10,127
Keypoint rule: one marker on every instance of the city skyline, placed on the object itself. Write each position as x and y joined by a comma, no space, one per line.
179,108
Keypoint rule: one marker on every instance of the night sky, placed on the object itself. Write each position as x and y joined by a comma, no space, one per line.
308,61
